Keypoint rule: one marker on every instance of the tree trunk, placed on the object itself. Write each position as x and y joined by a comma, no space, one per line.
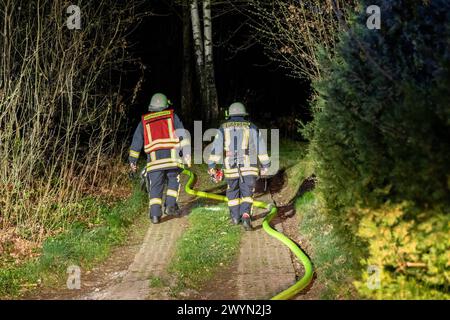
186,81
213,103
199,54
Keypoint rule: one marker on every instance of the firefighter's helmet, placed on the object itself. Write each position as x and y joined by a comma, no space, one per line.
237,109
159,102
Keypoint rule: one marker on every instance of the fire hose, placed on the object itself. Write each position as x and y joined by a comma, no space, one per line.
273,211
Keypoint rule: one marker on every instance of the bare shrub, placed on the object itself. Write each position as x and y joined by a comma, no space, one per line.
60,106
296,32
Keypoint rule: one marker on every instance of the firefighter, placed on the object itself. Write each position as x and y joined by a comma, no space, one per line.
167,152
241,150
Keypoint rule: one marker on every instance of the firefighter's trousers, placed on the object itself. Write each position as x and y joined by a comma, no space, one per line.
240,195
157,181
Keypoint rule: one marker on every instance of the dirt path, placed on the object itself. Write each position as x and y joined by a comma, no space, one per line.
264,263
151,260
126,273
263,267
285,197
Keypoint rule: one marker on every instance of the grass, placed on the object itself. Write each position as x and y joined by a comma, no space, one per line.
83,244
291,152
157,282
297,166
335,254
209,244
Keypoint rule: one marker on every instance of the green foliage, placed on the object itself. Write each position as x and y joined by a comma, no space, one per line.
211,242
413,254
380,141
83,244
381,128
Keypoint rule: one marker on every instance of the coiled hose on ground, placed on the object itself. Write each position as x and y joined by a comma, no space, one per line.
273,211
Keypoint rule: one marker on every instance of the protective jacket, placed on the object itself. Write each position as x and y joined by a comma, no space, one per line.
162,137
240,147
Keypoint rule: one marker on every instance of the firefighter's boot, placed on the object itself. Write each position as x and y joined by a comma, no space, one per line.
247,222
155,219
173,211
235,220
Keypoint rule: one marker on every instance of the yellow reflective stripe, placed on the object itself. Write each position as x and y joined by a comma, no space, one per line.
161,161
172,193
155,201
230,171
231,175
247,199
245,138
159,141
234,202
250,173
149,132
153,156
162,146
156,114
164,166
264,158
152,165
170,125
134,154
214,158
174,140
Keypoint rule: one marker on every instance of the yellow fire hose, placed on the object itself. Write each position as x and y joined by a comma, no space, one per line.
273,211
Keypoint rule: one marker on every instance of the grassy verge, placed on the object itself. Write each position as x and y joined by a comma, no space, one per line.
333,251
209,244
335,254
295,164
83,244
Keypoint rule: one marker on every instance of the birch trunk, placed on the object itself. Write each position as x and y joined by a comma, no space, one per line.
199,54
209,62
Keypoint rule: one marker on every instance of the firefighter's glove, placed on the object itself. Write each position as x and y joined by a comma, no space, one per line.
132,172
212,172
216,175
